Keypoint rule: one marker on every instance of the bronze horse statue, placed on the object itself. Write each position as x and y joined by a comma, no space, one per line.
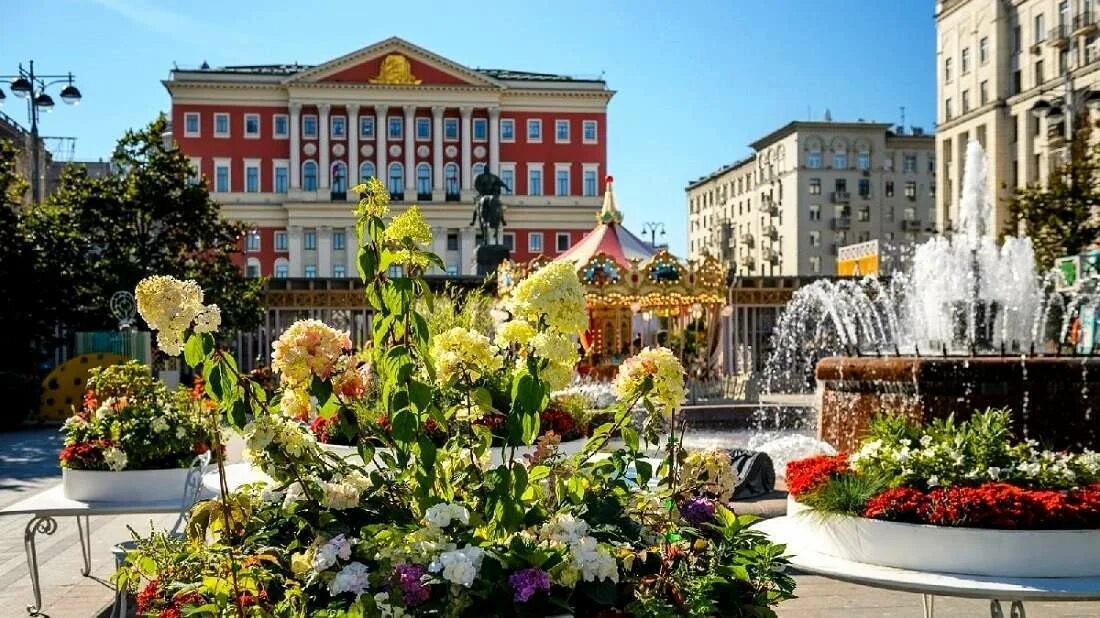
488,209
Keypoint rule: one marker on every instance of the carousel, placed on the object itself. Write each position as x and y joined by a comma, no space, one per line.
637,296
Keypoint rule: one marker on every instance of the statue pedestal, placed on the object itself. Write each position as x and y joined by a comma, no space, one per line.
489,258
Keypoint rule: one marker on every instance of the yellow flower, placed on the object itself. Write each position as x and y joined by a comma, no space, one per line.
295,403
666,371
308,348
516,332
553,292
376,203
170,306
555,347
409,227
557,376
459,352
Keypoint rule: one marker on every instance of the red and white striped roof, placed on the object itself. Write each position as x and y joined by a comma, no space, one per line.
609,237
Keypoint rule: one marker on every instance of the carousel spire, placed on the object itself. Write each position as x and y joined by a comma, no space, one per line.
609,213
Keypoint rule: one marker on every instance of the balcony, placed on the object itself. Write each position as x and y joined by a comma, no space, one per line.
841,197
1059,36
771,207
911,225
748,262
771,255
842,223
1084,24
833,248
771,231
747,239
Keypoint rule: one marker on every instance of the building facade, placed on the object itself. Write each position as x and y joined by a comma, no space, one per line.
281,145
995,59
810,188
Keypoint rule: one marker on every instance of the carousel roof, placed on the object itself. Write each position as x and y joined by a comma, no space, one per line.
609,238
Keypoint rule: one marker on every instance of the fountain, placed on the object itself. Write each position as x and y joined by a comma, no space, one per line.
968,325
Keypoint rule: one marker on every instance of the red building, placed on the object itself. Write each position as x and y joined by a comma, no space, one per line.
279,146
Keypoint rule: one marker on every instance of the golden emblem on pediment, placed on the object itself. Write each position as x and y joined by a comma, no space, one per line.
395,69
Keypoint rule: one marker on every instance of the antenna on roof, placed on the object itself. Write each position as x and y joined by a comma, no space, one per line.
828,115
205,66
902,124
175,67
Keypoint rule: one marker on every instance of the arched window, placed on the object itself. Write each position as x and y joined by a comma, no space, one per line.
424,181
366,170
339,177
282,268
450,179
309,176
252,267
397,181
478,169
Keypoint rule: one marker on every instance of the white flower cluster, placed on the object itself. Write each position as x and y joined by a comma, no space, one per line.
600,395
591,560
325,557
443,514
340,495
352,578
284,432
459,566
385,609
564,529
115,457
170,306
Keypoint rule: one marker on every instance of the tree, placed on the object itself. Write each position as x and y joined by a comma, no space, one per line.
1061,217
97,236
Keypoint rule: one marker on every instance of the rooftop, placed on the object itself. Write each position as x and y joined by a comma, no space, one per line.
286,70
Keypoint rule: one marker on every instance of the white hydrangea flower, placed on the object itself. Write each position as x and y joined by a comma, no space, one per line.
159,425
270,494
352,578
459,566
209,320
593,560
564,529
181,432
340,496
443,514
385,610
115,457
293,493
338,546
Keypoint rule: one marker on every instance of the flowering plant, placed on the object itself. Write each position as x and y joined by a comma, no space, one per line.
439,527
129,421
952,473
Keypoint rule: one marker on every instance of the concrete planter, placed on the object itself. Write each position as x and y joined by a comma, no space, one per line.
163,485
969,551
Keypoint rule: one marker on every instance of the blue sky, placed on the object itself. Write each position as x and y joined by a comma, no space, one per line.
696,81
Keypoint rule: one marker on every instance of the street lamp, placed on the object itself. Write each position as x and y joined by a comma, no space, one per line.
30,86
651,228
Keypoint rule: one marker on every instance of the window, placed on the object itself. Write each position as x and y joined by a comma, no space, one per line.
309,176
983,92
282,269
1017,81
423,129
815,238
309,126
280,126
966,101
309,240
221,125
311,271
196,170
1040,31
840,161
450,179
590,132
964,60
815,212
909,164
813,160
338,127
338,239
424,181
590,184
508,177
397,180
338,271
507,130
394,127
1017,39
947,108
1063,62
280,241
450,129
534,181
252,268
252,176
561,131
561,182
864,188
889,189
983,50
534,242
366,170
252,241
366,127
477,170
221,176
815,264
863,161
191,125
563,241
911,190
509,240
480,129
534,130
339,177
252,125
947,70
840,185
864,214
888,214
910,214
452,241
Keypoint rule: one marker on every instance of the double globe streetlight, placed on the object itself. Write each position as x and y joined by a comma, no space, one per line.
32,87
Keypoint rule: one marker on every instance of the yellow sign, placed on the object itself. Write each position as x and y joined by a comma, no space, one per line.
858,260
395,69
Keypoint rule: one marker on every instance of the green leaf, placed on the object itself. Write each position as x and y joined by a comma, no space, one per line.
321,389
366,452
630,437
482,398
238,414
198,348
420,395
527,393
531,426
427,451
644,470
368,264
213,380
404,425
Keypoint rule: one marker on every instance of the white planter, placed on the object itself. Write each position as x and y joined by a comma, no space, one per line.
350,453
164,485
969,551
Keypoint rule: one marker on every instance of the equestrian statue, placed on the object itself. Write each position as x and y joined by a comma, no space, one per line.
488,209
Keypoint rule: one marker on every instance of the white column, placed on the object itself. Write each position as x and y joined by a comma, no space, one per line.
380,129
353,148
439,244
467,160
324,251
295,146
494,140
410,152
294,248
322,128
466,259
437,149
351,252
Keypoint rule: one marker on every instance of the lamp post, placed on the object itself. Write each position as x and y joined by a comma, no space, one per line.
27,84
651,228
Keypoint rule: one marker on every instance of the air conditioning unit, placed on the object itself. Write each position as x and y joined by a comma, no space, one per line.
1036,49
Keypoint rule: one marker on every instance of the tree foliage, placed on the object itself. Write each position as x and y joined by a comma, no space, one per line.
1061,217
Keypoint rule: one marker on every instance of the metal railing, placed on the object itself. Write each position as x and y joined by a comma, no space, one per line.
841,197
842,223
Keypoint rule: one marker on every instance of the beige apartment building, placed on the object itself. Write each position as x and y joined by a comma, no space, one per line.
995,60
810,188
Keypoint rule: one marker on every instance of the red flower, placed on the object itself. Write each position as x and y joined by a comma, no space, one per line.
991,505
90,401
322,428
170,612
897,504
561,423
148,597
84,455
805,475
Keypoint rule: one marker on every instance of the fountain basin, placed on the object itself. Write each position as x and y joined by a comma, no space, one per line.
1053,400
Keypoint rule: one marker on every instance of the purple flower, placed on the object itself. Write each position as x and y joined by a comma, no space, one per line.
527,582
413,590
697,511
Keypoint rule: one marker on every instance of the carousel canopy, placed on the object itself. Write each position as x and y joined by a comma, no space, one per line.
610,238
